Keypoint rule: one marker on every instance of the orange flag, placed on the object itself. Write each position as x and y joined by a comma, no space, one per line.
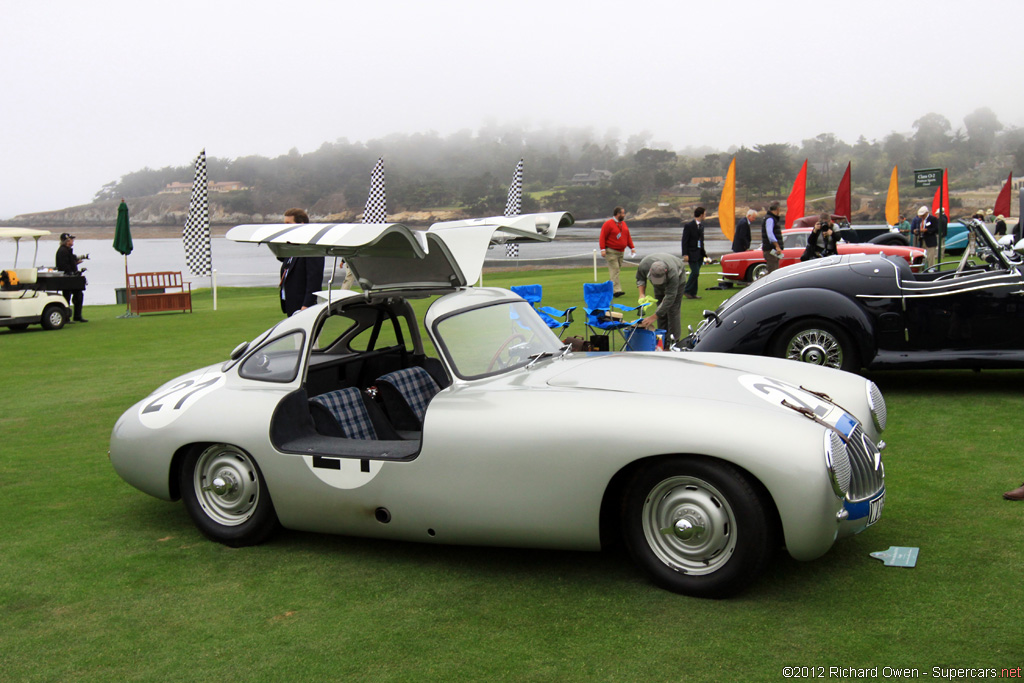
892,200
1002,207
727,204
944,191
797,196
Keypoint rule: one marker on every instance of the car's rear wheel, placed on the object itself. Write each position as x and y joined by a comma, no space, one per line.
226,496
54,317
696,526
757,271
818,342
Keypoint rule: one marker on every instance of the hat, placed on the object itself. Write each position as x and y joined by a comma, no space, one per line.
657,273
66,236
979,212
922,211
989,212
1000,217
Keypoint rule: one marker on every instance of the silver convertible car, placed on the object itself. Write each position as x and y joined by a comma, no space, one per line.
344,419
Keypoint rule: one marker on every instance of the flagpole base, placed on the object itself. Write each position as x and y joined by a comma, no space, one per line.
128,314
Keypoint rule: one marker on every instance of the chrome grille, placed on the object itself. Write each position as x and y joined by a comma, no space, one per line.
840,461
867,478
879,412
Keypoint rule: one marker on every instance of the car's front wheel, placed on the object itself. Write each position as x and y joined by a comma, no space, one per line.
818,342
696,526
226,496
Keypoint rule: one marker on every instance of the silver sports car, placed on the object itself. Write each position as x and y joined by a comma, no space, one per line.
339,420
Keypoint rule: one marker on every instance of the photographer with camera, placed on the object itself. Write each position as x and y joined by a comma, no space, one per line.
825,230
67,263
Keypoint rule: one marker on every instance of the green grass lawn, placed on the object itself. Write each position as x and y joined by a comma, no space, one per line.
101,582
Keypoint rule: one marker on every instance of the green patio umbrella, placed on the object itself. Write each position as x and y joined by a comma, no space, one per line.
123,245
123,233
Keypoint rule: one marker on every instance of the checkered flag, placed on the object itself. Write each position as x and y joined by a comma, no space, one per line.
376,202
515,192
514,203
196,235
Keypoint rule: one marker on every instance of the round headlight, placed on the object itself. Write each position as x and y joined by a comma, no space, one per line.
837,460
877,405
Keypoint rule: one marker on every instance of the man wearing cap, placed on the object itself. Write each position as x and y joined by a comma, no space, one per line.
666,274
67,263
1000,226
926,228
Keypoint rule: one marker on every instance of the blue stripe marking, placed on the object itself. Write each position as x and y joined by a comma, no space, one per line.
846,424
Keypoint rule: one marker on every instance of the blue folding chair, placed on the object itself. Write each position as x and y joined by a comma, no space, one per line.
552,317
597,300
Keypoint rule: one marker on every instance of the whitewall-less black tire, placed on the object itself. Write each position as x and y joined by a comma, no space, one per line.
226,496
696,526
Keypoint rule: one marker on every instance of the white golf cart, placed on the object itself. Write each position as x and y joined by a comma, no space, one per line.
26,296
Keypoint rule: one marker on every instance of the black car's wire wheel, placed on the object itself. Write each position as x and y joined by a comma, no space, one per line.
817,342
226,496
696,526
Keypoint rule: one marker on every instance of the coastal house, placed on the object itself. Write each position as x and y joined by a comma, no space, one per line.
595,177
185,188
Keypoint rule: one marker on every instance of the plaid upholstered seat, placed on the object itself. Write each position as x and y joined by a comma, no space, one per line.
415,387
347,407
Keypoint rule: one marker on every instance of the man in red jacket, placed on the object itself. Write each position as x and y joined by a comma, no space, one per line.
613,241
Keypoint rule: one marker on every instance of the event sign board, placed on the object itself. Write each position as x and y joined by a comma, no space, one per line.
927,177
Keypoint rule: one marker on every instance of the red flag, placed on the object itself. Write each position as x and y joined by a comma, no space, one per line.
795,201
944,191
843,198
1002,207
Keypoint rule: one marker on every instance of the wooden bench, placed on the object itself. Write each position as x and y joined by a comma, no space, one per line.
140,301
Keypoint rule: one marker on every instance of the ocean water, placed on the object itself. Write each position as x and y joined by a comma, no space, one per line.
251,265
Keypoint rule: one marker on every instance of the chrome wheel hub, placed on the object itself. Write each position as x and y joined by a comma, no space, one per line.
817,347
689,525
226,485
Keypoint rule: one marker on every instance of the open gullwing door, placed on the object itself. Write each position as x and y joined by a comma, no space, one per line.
394,256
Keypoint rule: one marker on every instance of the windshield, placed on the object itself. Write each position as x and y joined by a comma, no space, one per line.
494,339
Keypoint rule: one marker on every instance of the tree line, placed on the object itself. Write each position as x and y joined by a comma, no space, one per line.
472,171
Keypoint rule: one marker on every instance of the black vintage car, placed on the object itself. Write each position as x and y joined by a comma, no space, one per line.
871,311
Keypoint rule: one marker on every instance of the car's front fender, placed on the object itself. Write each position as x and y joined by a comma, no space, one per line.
751,327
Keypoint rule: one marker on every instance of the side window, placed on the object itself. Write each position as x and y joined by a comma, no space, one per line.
333,327
277,361
388,335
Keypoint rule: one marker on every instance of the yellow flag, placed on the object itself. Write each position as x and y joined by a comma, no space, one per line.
727,205
892,201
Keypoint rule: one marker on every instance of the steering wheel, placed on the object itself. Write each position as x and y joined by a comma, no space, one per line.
505,345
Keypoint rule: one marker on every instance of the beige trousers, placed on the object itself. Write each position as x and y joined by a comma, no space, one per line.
614,260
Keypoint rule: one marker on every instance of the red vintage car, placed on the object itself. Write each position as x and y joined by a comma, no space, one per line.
747,266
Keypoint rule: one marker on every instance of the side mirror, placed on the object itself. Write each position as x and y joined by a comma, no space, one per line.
239,350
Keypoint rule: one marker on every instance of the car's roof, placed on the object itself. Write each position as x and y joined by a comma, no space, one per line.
395,256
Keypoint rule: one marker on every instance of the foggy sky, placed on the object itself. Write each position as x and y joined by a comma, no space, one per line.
92,91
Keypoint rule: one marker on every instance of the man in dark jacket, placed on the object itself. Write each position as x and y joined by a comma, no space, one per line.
824,232
741,238
67,263
693,251
301,277
926,228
